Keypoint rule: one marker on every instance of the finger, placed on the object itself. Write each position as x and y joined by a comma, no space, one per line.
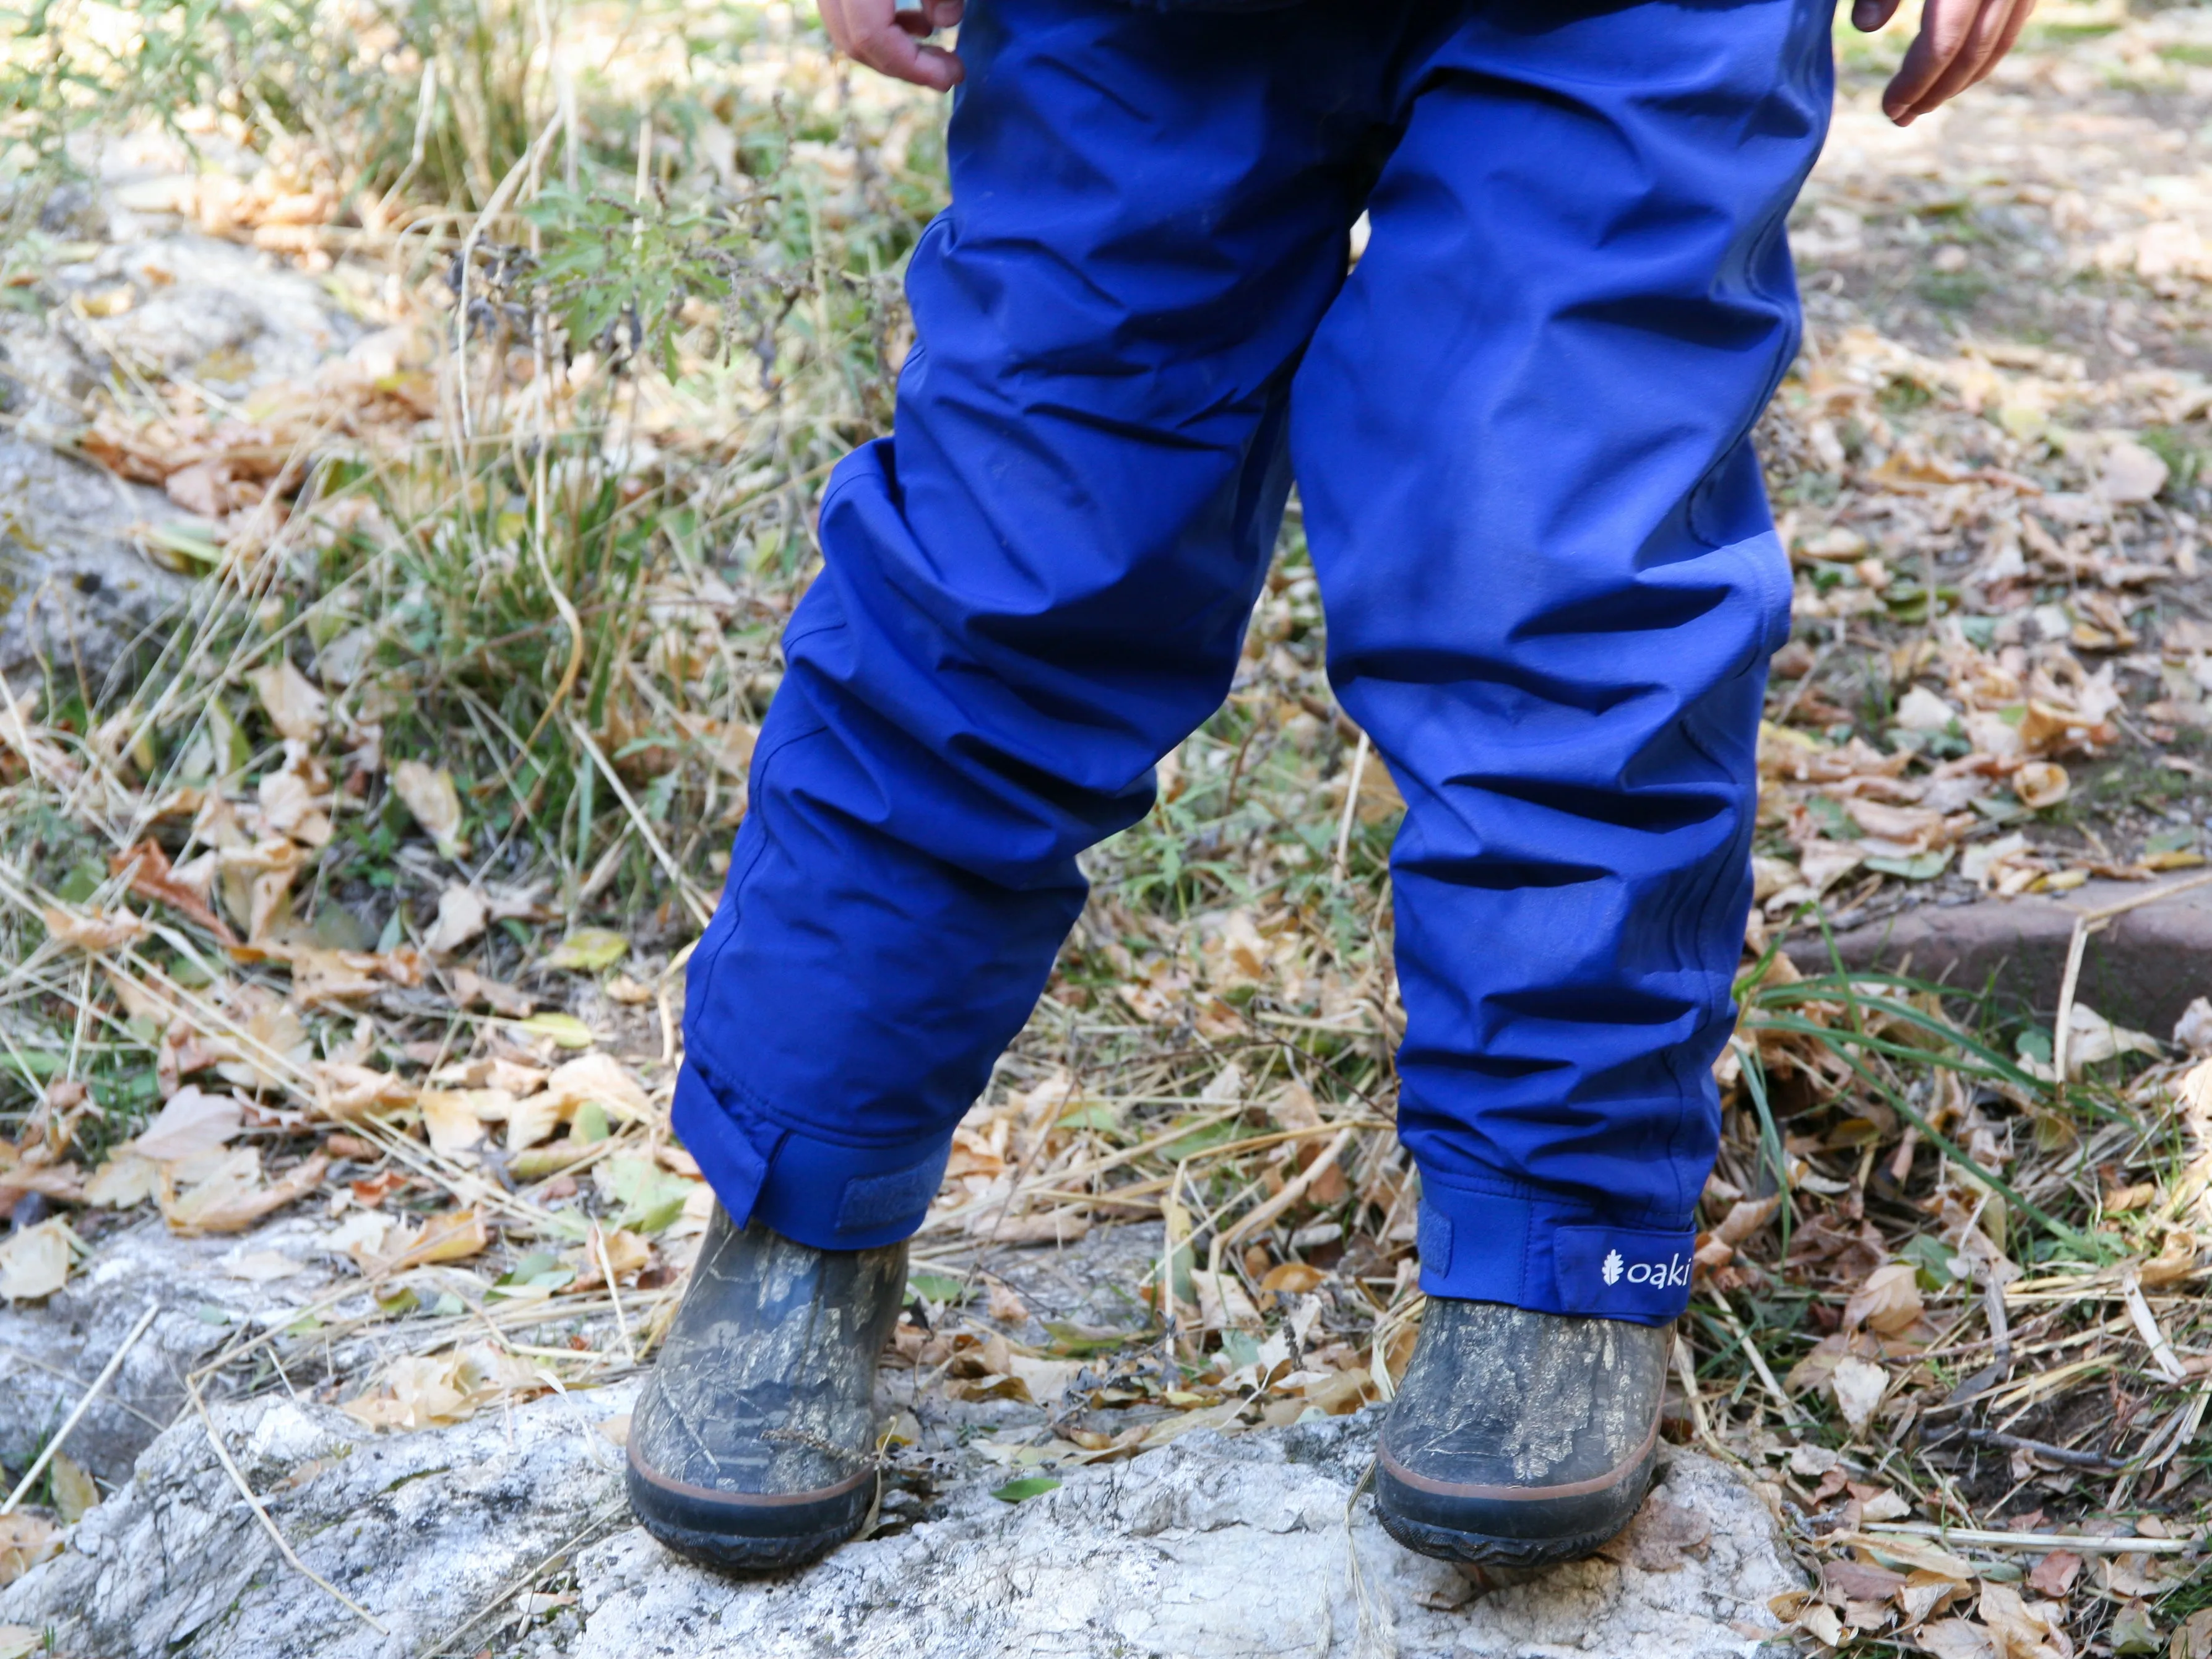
1945,28
833,20
889,50
1870,17
1984,39
929,16
2021,11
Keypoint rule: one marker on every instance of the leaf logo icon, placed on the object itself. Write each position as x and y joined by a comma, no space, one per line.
1611,1270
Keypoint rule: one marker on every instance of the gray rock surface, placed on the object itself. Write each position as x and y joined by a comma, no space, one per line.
2142,970
76,594
50,1350
1210,1548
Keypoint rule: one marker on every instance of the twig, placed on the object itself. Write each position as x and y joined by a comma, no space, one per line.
2086,923
1350,804
1264,1215
114,1363
222,1453
614,1291
2022,1540
2161,1351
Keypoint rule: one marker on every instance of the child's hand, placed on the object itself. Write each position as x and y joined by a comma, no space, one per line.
1959,43
889,39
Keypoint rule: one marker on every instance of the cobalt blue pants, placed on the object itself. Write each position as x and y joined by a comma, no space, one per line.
1519,428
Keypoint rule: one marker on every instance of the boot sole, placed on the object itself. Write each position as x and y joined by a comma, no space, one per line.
1511,1526
738,1532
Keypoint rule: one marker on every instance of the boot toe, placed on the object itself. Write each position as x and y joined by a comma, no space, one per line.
747,1531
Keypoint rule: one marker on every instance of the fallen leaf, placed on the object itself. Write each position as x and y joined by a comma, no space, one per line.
294,706
26,1541
36,1261
234,1197
2055,1574
1002,1302
152,878
20,1641
124,1180
588,950
1858,1386
2131,472
429,794
454,1237
1888,1302
450,1117
192,1121
1956,1638
95,933
462,913
563,1030
263,1267
2041,783
596,1077
349,1093
75,1492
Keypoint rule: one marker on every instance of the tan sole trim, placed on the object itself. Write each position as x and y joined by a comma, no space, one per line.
744,1500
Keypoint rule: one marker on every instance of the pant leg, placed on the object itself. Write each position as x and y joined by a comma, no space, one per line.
1551,584
1031,591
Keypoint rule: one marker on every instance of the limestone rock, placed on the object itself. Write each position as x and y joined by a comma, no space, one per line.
1209,1548
50,1350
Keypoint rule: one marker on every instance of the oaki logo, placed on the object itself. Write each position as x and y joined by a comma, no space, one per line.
1675,1270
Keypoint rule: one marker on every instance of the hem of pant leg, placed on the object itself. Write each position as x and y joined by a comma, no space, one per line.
1478,1245
826,1194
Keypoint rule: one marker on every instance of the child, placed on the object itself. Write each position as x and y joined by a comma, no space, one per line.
1520,431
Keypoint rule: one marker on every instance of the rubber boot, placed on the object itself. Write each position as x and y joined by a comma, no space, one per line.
1517,1438
752,1447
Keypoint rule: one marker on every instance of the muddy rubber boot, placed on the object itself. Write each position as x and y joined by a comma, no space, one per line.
1517,1439
752,1447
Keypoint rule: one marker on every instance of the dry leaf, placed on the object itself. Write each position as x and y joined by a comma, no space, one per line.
462,913
2131,473
596,1077
294,706
1888,1302
36,1261
588,950
192,1121
431,796
1000,1303
108,932
1858,1388
26,1541
349,1093
451,1118
75,1492
454,1236
126,1179
1957,1638
2041,783
233,1198
2055,1574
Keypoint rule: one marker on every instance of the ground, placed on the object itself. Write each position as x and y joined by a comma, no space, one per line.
410,455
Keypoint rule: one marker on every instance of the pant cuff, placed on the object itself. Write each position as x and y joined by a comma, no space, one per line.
814,1192
1537,1254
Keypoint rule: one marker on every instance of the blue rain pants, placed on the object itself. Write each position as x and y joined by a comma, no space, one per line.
1519,427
